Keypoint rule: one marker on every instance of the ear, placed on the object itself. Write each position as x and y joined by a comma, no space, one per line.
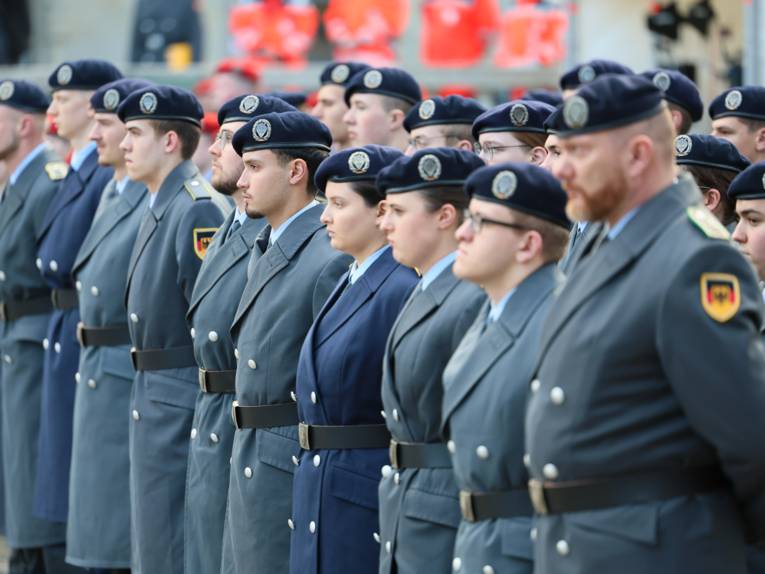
396,119
677,119
447,216
298,171
380,208
467,145
640,156
759,141
537,155
712,198
530,248
171,142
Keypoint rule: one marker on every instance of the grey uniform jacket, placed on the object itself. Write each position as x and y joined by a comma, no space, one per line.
576,244
419,513
214,301
644,367
485,389
99,475
22,212
286,289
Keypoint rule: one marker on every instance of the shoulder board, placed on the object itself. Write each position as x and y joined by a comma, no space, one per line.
704,220
198,188
56,170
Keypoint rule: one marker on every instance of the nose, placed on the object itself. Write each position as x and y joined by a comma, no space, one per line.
244,180
349,117
326,215
464,232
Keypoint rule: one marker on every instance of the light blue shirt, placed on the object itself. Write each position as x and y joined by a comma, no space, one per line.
358,270
433,273
276,233
240,216
121,185
621,224
497,308
78,158
581,226
25,162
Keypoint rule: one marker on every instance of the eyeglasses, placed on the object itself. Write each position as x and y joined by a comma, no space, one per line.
490,150
421,142
477,222
223,138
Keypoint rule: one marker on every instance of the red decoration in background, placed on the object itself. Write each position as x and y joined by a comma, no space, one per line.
530,36
455,32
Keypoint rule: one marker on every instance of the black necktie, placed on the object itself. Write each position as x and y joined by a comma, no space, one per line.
233,229
262,240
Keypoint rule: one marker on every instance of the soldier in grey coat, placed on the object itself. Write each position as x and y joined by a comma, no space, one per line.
419,514
25,307
98,529
214,301
293,270
645,451
516,231
171,244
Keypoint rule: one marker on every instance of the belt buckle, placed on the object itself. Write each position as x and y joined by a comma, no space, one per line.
393,453
304,433
80,333
3,311
537,495
466,505
203,380
134,358
234,407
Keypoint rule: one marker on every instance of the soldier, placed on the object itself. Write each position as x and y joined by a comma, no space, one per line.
738,115
163,130
330,104
214,300
682,97
442,122
344,441
554,98
293,269
418,498
747,191
552,144
98,530
632,471
513,131
516,230
713,163
585,73
66,223
378,100
25,307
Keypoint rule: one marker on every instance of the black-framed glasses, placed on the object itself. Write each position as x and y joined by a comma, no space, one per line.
421,142
222,138
490,150
477,222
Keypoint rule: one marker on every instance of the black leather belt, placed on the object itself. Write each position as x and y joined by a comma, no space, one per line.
595,494
64,299
217,381
264,416
159,359
477,506
419,455
13,310
103,336
314,437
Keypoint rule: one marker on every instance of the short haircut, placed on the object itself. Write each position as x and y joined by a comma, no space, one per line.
389,103
459,132
554,237
719,179
437,197
188,134
368,192
312,158
531,139
687,122
752,124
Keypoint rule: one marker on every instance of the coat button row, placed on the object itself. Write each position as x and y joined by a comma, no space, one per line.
550,471
53,265
312,527
557,396
482,452
248,472
562,547
535,384
136,415
134,317
193,434
212,336
488,569
2,275
457,564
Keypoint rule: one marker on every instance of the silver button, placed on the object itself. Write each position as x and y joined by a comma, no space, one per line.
78,285
290,524
457,564
293,396
451,446
482,452
213,336
193,332
236,354
527,460
53,265
488,569
557,396
77,378
193,434
533,534
94,291
386,471
387,546
57,347
38,263
550,471
2,275
397,479
295,460
313,397
383,415
395,415
7,359
214,438
562,547
92,383
312,527
316,460
376,536
535,384
248,472
252,364
194,182
136,415
134,317
46,344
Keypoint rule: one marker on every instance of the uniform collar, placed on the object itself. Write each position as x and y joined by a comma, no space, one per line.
79,157
25,162
275,233
358,270
433,273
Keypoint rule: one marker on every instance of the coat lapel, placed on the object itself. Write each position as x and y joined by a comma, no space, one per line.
71,188
15,195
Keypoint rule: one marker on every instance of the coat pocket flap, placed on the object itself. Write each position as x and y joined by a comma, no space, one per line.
115,361
165,388
637,523
435,508
353,487
276,450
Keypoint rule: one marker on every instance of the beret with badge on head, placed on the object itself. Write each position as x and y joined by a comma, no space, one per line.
340,73
83,75
355,164
107,98
162,103
428,168
23,96
392,82
244,108
749,184
443,111
515,116
742,101
585,73
521,186
678,89
285,130
709,151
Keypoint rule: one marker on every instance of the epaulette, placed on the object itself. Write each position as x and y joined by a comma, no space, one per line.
703,219
56,170
198,188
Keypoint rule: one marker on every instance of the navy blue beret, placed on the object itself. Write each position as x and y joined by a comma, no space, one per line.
24,96
340,73
709,151
521,186
587,72
286,130
514,116
439,111
608,102
107,98
678,89
547,96
83,75
162,103
427,168
295,99
552,120
749,184
742,101
244,108
355,164
393,82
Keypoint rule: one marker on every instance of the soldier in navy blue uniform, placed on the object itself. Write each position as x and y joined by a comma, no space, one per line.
442,122
738,115
330,104
344,441
292,271
25,307
66,223
98,530
584,73
644,451
682,97
419,514
214,301
163,130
